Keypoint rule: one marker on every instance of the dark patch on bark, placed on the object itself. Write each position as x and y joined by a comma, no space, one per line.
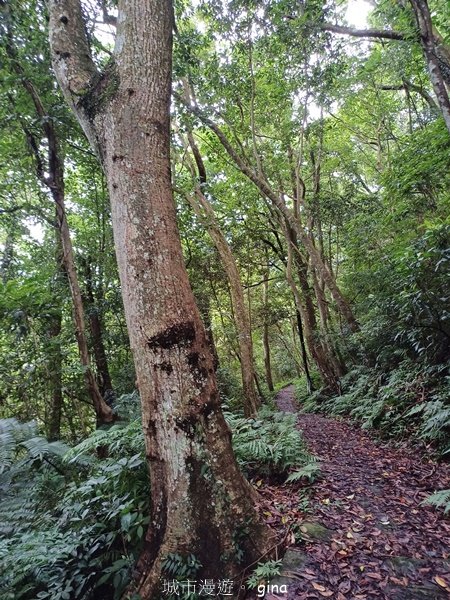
64,19
117,157
102,90
187,424
130,92
196,413
159,127
199,372
180,334
208,533
151,435
164,366
64,55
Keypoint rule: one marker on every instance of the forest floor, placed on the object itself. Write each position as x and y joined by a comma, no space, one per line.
362,533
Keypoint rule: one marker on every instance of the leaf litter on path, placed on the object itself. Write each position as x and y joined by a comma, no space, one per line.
383,542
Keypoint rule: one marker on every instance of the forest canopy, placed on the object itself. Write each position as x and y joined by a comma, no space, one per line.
199,205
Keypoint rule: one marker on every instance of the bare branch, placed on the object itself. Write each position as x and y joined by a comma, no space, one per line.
107,18
407,85
384,34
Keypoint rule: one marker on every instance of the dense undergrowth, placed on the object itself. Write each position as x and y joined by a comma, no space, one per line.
72,524
411,401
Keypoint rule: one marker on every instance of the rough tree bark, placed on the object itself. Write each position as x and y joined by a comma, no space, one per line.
200,502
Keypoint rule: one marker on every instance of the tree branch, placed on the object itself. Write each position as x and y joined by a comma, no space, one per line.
107,18
407,85
72,61
383,34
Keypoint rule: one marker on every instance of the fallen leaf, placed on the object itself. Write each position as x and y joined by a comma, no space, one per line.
318,587
345,586
441,582
374,576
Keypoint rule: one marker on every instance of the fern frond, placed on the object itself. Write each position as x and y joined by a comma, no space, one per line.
439,499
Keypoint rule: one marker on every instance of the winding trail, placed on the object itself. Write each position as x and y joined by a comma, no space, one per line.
377,540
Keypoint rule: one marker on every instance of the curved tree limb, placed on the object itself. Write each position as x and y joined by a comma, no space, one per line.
381,34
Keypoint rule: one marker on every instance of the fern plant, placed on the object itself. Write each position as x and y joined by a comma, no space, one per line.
264,572
71,524
441,499
269,444
309,471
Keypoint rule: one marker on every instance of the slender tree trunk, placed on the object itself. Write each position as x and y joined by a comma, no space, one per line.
200,502
7,256
50,173
278,201
54,426
241,314
96,330
266,345
103,411
55,354
204,211
202,302
305,306
309,383
290,351
428,43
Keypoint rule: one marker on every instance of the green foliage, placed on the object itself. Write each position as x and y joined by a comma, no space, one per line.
73,524
269,444
410,400
180,567
310,472
264,571
441,499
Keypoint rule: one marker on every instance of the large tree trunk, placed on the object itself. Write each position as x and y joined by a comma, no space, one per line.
200,502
